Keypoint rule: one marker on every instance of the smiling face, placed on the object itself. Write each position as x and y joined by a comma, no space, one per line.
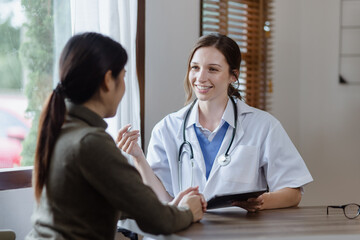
209,75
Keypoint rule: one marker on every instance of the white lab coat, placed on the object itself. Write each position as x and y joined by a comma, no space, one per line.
262,154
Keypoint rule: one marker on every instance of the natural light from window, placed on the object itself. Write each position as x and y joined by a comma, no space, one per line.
26,66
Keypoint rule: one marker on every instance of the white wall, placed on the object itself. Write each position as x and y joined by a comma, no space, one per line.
286,83
16,207
330,138
172,28
321,116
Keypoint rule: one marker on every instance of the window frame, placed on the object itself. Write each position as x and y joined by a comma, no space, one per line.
15,178
140,66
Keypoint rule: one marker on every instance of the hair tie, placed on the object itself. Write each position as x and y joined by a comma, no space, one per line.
59,88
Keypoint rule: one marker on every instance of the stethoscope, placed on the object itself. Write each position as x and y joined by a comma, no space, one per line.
223,159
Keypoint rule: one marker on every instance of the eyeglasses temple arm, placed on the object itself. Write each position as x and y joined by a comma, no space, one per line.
327,208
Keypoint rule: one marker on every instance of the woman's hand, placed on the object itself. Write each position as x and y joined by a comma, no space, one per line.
282,198
252,204
195,203
189,191
127,141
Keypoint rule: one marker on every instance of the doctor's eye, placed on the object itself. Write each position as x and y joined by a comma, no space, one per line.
194,67
213,69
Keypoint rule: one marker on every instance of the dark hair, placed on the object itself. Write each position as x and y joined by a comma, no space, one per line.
228,48
84,61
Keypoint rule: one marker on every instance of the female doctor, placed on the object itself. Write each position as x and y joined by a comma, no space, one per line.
218,142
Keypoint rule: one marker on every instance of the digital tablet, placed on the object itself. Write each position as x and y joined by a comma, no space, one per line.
219,201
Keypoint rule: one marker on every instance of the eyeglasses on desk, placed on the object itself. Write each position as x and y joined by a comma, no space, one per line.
351,210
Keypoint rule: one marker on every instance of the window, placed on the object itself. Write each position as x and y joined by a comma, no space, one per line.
249,23
33,34
26,68
26,79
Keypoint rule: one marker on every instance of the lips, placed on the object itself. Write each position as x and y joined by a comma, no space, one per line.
203,87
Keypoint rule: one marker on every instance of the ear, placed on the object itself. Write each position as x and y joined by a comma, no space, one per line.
108,81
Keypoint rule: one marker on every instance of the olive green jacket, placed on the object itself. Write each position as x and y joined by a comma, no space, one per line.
91,184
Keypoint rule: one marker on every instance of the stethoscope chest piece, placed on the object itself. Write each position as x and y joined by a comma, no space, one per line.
223,160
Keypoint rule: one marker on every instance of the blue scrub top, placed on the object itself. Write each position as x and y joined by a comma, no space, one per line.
210,149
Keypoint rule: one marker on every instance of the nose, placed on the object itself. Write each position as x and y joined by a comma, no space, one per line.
202,76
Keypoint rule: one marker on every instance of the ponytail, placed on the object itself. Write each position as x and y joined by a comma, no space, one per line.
83,64
51,119
233,89
234,92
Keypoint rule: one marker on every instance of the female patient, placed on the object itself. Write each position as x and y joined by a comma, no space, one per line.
82,182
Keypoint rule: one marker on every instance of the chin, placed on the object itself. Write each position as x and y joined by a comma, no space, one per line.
202,97
110,115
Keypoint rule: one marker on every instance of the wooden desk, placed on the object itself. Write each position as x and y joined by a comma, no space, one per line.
235,223
291,223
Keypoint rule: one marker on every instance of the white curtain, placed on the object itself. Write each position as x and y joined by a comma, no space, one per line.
118,20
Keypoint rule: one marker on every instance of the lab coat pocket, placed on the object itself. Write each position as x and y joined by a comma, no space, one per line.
244,165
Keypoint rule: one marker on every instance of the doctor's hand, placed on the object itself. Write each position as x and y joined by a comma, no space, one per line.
127,141
189,191
194,203
252,204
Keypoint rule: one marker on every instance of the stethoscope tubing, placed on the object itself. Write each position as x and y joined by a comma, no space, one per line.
235,123
185,142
